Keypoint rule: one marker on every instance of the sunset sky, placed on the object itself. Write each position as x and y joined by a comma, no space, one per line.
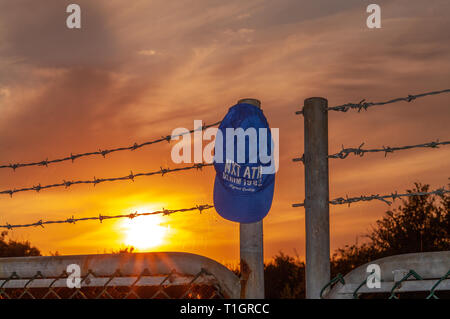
138,69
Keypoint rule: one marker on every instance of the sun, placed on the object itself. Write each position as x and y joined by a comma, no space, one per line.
144,232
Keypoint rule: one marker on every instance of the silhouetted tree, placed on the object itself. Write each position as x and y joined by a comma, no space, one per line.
284,277
126,250
12,248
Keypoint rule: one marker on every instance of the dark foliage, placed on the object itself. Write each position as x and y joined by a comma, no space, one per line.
12,248
284,277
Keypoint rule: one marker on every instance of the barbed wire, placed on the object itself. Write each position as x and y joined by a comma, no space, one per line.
96,181
105,152
386,149
100,217
383,198
363,105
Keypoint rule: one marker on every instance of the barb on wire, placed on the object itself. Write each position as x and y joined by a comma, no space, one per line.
363,105
73,220
386,149
96,181
383,198
104,152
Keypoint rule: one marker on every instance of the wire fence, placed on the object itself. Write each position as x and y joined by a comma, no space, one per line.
383,198
101,218
345,152
316,203
385,149
362,105
116,286
122,275
95,181
104,152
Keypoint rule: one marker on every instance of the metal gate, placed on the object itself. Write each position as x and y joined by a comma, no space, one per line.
418,272
117,276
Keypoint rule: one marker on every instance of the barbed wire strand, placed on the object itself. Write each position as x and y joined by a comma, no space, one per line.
386,149
383,198
96,181
104,152
101,217
363,105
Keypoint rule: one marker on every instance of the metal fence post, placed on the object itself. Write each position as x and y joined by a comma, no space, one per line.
317,218
251,250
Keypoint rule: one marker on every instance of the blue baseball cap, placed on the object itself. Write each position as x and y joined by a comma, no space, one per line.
244,183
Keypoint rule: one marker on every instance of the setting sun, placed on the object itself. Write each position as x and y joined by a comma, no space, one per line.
144,232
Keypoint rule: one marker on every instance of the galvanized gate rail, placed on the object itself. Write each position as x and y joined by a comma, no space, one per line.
137,275
418,272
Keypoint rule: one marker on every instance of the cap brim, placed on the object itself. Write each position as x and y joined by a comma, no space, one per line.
244,208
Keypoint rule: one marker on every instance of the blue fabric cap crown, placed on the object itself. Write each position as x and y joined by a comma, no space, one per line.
243,190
